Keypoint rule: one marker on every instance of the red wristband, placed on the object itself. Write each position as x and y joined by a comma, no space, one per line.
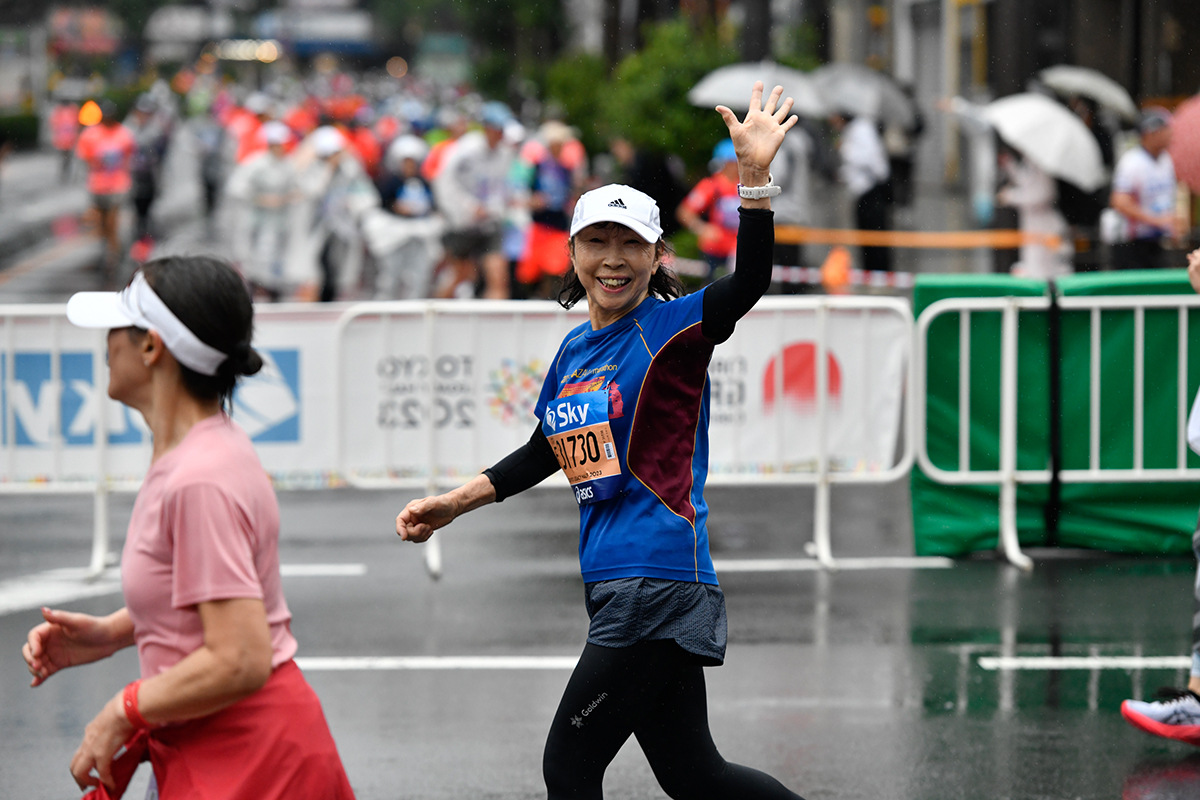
129,700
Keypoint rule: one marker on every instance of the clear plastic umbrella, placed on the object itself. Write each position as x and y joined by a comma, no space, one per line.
1083,82
730,86
1049,135
862,91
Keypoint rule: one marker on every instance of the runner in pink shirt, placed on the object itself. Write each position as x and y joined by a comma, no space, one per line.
221,710
107,149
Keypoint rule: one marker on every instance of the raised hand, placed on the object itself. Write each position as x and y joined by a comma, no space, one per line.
1193,269
757,138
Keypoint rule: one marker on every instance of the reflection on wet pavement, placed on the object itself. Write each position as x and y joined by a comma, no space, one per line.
855,684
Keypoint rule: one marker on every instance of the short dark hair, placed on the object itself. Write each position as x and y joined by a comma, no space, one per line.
664,283
210,298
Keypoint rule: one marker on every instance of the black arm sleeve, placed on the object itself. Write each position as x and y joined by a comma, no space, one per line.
523,468
727,300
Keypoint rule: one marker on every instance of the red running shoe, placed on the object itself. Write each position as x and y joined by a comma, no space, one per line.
1175,715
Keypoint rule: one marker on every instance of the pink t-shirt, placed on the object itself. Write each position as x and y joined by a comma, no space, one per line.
205,526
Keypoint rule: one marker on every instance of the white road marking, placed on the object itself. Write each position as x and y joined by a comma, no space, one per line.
338,663
322,570
1084,662
58,587
55,587
811,564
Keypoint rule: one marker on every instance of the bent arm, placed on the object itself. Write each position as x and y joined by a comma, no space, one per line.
233,663
756,140
525,467
1127,205
729,299
420,518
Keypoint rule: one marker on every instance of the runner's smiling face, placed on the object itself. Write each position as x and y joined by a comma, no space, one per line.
614,265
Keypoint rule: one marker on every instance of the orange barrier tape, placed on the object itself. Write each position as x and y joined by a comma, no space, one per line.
932,240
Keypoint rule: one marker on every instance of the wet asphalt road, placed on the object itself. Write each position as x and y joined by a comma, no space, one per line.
858,684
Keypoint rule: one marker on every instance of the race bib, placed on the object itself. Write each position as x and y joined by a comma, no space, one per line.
578,430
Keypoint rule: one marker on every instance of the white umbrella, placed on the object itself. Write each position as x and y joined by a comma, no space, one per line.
862,91
1050,136
730,86
1070,81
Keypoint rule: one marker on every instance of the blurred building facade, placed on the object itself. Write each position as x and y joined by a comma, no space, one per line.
984,49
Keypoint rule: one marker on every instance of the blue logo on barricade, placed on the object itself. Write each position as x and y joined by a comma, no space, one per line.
267,405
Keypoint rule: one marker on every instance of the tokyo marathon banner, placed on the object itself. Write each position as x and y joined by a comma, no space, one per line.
458,390
452,385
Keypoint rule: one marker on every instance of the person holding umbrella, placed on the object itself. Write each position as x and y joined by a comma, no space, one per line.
1034,195
1143,193
865,171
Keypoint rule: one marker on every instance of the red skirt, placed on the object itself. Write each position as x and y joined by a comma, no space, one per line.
275,744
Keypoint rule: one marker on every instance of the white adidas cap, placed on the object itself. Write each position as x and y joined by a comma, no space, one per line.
621,204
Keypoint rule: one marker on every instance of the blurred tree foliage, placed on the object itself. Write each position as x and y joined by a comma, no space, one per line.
805,48
134,14
579,84
21,130
644,99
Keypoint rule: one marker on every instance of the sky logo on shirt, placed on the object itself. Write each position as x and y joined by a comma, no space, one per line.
567,415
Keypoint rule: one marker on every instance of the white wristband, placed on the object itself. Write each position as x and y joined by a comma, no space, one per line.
759,192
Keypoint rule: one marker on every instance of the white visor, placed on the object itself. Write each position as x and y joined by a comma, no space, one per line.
137,304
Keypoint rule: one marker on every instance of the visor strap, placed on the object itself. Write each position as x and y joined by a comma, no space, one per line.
147,310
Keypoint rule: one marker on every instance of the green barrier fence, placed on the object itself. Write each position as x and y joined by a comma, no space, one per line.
1127,517
955,520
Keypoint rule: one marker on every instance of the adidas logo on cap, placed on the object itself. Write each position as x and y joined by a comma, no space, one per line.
621,204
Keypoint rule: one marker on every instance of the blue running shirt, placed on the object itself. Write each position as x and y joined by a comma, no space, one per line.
626,411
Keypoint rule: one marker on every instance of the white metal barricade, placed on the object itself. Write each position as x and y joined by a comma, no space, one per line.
41,329
59,433
435,316
1008,476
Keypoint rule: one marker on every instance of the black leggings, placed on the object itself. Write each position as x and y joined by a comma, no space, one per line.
655,692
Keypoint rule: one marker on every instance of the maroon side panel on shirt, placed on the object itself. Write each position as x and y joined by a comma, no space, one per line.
663,438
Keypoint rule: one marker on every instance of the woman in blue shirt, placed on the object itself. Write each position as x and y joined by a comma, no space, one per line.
624,413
